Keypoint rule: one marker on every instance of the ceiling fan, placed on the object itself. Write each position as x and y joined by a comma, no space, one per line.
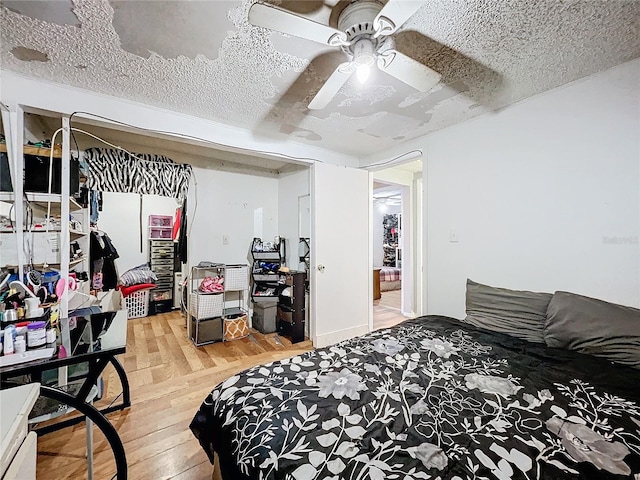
364,33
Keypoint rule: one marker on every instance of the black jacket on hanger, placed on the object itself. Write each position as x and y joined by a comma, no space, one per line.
103,257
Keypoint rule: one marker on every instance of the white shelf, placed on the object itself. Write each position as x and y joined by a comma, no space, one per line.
77,261
39,200
75,234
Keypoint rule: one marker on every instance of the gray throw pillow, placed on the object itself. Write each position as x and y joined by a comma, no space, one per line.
517,313
594,327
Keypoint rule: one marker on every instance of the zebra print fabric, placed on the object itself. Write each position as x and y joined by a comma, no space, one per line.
113,170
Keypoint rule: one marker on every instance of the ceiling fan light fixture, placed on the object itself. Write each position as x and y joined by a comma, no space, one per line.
363,72
364,57
364,35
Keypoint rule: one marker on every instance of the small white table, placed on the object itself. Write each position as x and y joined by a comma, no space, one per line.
18,450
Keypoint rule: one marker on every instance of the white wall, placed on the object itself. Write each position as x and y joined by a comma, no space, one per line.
120,220
227,206
544,195
291,186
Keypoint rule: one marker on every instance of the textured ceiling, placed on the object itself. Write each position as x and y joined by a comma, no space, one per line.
203,58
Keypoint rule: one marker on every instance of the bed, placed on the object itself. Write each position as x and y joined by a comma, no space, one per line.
390,278
431,398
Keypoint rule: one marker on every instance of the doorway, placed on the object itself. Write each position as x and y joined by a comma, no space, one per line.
395,249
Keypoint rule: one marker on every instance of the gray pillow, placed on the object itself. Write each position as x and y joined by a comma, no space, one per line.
517,313
595,327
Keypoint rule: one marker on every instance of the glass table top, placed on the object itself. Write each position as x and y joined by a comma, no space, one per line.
81,338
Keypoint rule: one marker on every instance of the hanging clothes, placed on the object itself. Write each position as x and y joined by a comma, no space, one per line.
95,206
103,255
182,236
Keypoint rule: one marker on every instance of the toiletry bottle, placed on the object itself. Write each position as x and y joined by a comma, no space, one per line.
8,342
19,345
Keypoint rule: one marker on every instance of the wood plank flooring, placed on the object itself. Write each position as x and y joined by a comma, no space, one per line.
386,310
169,379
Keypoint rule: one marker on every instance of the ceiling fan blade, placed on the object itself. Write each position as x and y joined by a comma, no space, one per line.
333,84
274,18
394,14
407,70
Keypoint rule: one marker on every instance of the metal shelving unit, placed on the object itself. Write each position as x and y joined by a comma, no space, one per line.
58,239
267,259
206,312
304,251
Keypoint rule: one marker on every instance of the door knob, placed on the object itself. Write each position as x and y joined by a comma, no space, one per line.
321,268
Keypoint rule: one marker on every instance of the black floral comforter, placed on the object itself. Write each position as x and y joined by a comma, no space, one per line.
432,398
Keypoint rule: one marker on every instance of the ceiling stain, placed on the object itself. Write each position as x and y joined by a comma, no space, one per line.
300,132
29,55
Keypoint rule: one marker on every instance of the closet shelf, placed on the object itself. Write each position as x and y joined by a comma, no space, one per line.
38,151
77,261
74,234
39,201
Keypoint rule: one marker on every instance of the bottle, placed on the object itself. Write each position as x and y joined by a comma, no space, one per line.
51,336
36,334
19,345
8,341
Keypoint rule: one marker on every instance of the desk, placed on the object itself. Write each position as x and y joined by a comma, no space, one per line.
92,342
18,448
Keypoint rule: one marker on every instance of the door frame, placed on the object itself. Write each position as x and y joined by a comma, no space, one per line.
411,186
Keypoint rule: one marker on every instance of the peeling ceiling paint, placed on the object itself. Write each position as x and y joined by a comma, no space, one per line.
29,55
59,12
157,27
205,59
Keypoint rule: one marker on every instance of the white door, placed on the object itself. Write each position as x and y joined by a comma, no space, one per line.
341,266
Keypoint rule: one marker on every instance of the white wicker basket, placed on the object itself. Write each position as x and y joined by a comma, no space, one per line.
203,306
236,277
137,304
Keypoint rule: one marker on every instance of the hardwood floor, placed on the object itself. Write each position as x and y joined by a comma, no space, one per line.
386,311
169,379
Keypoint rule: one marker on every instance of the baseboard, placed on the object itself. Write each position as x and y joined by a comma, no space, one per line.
330,338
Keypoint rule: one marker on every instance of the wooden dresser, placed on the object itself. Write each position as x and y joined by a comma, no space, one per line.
376,284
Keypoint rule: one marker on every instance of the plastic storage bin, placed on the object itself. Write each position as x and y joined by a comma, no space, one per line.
160,233
137,304
160,221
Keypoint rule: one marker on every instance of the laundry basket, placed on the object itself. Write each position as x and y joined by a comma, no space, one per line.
137,304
